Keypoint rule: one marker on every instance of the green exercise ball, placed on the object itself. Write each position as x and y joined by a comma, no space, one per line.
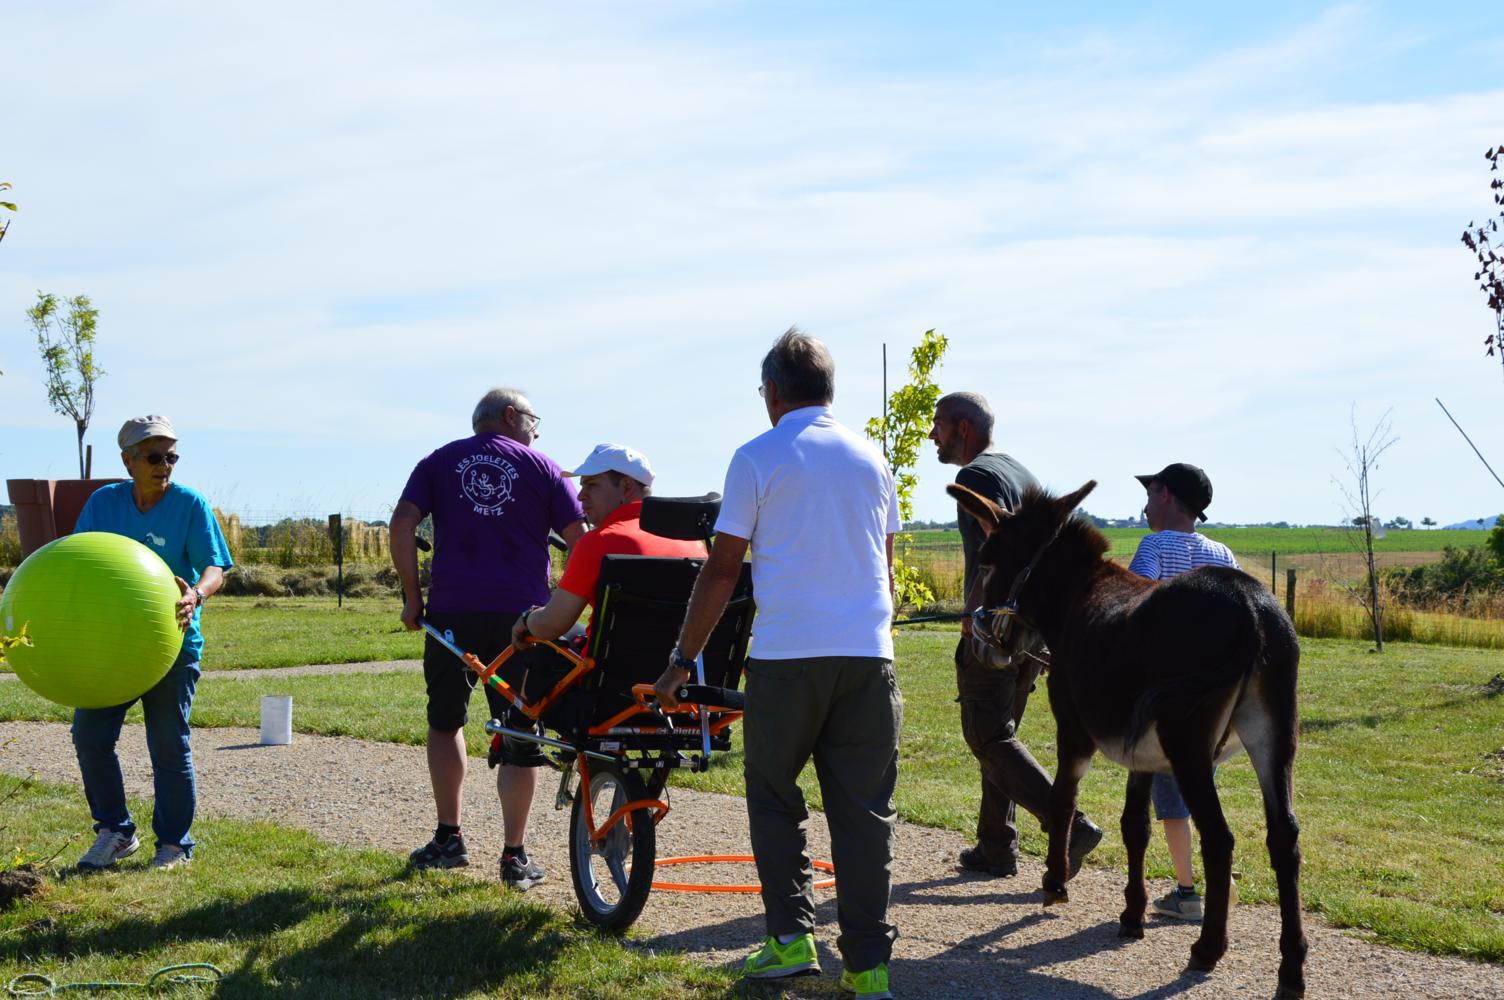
100,610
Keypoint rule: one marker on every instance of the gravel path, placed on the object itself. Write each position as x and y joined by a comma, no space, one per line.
961,936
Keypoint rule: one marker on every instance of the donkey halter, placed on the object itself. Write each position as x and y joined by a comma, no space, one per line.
992,625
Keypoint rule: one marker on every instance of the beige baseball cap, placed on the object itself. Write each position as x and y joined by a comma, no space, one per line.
616,458
138,429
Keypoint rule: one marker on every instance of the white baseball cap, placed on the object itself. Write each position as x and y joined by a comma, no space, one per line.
138,429
616,458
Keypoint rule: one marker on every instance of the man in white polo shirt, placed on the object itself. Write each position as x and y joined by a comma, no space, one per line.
816,504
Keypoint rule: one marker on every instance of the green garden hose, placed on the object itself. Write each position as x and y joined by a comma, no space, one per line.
33,984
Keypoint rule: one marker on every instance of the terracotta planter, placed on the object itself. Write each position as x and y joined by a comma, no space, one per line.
47,509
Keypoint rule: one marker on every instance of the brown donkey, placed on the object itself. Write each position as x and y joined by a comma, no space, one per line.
1160,676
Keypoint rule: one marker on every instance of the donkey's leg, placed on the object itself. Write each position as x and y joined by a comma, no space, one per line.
1268,733
1200,793
1135,826
1073,753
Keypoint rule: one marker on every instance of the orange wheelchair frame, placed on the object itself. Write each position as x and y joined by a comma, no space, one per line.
610,729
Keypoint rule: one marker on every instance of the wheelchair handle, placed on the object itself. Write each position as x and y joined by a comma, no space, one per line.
706,694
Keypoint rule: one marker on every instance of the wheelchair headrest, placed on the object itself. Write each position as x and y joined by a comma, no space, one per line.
687,518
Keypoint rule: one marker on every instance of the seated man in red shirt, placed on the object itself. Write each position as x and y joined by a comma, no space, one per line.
613,482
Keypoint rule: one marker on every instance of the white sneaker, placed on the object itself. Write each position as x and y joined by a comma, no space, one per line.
169,856
109,847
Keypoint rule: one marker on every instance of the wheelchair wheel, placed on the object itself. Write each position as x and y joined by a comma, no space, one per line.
612,880
657,782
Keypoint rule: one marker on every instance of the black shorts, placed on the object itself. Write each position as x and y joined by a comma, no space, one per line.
450,683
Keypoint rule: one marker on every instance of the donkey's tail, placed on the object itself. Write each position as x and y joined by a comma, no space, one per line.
1207,693
1184,698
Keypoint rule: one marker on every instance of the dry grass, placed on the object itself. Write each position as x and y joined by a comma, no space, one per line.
940,568
1333,611
291,542
1327,605
303,541
10,541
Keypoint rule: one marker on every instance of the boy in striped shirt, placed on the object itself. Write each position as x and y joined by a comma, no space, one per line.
1177,496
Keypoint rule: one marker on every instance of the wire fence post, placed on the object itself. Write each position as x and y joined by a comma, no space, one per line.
337,537
1290,593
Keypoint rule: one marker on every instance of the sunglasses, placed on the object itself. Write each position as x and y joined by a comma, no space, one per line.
157,458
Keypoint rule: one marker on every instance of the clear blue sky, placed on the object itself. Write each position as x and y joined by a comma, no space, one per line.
1152,234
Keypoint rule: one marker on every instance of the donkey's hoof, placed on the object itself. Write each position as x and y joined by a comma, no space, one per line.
1201,961
1290,992
1134,931
1053,897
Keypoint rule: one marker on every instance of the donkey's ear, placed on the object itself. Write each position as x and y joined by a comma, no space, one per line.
988,514
1071,501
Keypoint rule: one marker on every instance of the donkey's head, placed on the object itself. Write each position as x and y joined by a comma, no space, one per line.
1016,544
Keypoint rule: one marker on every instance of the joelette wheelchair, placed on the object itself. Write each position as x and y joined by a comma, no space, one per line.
607,728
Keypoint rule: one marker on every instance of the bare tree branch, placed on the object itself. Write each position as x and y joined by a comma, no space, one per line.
1362,460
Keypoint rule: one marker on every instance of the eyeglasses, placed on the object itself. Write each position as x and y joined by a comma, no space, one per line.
762,390
531,416
157,457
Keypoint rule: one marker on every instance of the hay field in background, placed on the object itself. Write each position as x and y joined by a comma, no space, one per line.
1328,570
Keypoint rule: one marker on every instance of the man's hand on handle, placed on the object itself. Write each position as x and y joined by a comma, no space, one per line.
713,588
412,610
520,631
667,686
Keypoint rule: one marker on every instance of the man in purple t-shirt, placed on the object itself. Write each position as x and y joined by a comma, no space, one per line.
493,500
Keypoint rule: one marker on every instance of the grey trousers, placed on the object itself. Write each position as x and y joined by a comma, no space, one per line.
844,711
992,705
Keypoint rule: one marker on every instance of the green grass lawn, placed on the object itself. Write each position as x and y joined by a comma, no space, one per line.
1399,783
282,914
248,632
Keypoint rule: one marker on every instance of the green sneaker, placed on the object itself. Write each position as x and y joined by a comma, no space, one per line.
776,961
869,985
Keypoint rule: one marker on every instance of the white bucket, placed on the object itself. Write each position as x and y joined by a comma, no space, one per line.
276,719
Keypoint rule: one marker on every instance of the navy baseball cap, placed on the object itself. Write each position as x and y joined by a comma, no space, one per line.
1187,483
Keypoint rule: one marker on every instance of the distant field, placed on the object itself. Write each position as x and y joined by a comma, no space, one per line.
1261,542
1332,555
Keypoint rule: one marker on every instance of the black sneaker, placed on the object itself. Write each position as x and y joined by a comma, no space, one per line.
436,855
1085,836
521,876
974,859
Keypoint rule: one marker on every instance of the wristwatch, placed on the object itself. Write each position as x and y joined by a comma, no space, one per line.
683,662
202,597
525,627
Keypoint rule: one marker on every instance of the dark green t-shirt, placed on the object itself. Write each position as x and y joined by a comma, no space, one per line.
1001,479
